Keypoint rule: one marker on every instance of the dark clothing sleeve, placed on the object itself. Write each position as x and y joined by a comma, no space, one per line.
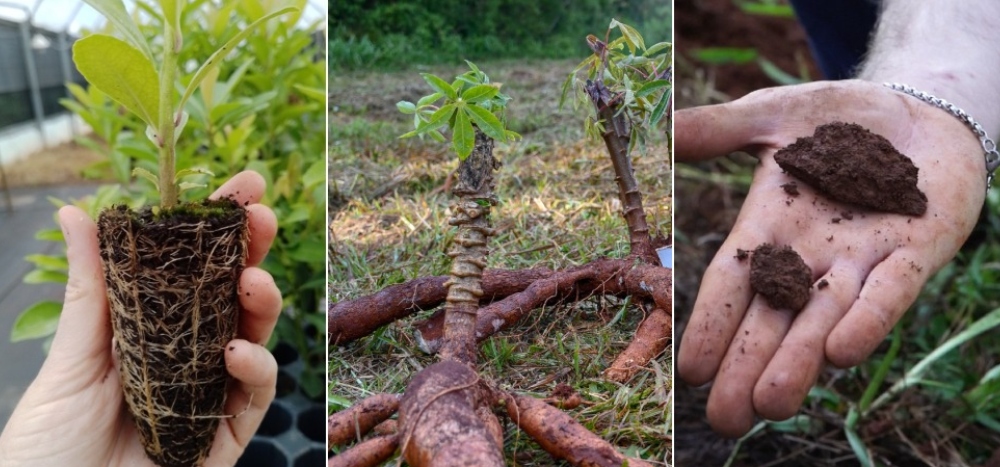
838,31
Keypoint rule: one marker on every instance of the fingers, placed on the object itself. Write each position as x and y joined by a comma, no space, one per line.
730,405
261,303
888,291
796,365
256,374
84,327
722,299
716,130
263,227
245,188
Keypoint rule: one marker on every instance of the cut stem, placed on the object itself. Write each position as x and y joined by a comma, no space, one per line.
617,137
474,191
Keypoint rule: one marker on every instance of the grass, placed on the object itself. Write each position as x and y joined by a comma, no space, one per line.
558,208
928,396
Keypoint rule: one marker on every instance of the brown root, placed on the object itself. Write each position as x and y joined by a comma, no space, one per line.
173,291
369,453
355,422
607,276
439,422
562,436
650,340
564,397
353,319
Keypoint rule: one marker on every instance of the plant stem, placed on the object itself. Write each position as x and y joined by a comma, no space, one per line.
474,191
617,136
168,73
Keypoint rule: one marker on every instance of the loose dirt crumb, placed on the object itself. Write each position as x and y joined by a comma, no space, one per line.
791,188
823,283
835,220
741,254
780,275
848,215
848,163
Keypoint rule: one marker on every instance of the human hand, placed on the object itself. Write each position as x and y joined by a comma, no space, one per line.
74,412
763,360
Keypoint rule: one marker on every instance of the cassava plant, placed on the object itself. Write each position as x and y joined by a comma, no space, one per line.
447,415
171,270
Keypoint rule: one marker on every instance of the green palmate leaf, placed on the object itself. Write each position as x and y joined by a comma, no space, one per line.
218,55
38,321
114,11
651,87
487,122
122,72
440,85
438,119
406,107
463,137
480,93
429,99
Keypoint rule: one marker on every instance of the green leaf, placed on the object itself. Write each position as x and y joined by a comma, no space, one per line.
777,74
651,87
192,171
440,85
52,263
487,122
480,93
656,48
463,137
768,9
122,72
725,55
659,110
50,235
143,173
429,99
316,94
218,55
41,276
114,11
40,320
406,107
631,35
438,119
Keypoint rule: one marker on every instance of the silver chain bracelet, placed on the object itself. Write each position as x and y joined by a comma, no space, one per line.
992,156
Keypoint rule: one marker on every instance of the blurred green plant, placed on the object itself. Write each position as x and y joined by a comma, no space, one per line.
261,109
390,35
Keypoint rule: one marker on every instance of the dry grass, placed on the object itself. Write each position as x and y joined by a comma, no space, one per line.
59,165
558,207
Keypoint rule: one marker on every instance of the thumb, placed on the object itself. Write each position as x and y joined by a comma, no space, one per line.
716,130
84,331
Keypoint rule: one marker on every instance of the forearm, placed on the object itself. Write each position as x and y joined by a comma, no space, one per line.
942,47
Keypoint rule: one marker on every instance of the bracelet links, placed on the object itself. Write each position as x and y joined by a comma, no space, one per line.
989,146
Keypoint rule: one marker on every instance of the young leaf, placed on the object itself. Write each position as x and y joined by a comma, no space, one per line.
631,35
660,108
429,99
188,172
122,72
38,321
218,55
440,85
141,172
463,137
480,93
651,87
114,11
406,107
39,276
487,122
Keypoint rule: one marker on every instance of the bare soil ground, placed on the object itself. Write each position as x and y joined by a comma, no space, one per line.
52,166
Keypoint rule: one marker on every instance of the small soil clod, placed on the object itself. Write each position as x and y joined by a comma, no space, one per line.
780,275
742,254
791,188
823,283
848,163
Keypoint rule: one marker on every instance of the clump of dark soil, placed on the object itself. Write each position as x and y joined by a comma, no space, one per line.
848,163
780,275
172,285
